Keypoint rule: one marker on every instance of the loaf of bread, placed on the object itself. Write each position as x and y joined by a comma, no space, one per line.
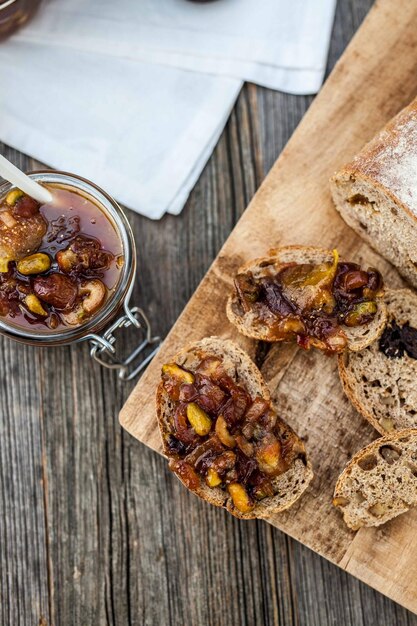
257,321
380,481
381,380
376,194
229,453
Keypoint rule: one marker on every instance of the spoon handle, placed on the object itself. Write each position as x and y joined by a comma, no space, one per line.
11,173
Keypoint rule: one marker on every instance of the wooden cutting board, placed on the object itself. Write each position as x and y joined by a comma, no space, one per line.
375,78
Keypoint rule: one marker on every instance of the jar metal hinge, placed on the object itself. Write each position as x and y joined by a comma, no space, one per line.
104,352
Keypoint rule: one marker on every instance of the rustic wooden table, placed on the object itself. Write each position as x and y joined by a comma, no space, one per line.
93,527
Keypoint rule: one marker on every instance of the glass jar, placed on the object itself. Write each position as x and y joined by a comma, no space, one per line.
15,13
116,313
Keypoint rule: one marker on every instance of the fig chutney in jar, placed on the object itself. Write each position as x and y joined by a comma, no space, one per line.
67,270
59,262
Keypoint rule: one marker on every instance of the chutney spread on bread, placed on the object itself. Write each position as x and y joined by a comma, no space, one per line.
311,302
221,435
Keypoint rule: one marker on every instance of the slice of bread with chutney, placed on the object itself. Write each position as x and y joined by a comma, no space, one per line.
222,435
308,295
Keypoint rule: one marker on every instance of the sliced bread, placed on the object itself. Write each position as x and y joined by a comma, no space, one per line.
287,486
380,482
384,388
247,322
376,194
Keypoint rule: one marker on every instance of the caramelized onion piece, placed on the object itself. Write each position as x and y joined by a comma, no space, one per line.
187,474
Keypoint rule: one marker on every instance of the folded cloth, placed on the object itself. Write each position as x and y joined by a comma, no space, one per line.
142,132
111,89
281,44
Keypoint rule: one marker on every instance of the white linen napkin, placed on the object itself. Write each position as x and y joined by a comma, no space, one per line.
281,44
142,132
134,94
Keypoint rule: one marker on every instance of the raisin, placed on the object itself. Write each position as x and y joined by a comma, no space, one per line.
176,446
397,340
274,298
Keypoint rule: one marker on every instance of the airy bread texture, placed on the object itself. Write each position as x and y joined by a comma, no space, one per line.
289,486
376,194
246,322
383,389
380,482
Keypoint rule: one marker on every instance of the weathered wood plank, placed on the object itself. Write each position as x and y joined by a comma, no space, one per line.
24,541
128,545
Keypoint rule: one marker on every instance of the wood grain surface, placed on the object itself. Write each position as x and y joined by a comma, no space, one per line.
374,79
93,527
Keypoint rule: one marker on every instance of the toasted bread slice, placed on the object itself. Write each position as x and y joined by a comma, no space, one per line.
246,322
290,485
380,482
384,389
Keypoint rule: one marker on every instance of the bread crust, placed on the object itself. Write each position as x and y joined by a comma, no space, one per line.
279,257
353,480
375,162
397,302
297,478
376,193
